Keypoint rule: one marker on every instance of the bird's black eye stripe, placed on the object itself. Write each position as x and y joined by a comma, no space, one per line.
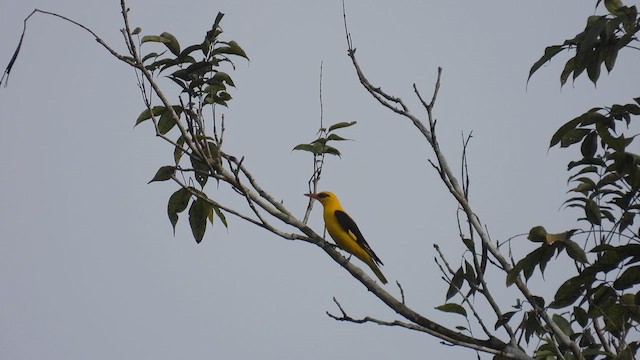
323,195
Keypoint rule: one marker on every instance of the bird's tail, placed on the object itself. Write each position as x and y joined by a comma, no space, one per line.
376,270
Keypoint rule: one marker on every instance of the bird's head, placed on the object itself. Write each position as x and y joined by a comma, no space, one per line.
324,197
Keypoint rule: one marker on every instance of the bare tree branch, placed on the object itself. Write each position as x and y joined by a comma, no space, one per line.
450,181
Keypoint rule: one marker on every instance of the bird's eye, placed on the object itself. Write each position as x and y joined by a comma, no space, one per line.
323,195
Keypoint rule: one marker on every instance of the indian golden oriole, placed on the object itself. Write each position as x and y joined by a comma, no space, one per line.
345,232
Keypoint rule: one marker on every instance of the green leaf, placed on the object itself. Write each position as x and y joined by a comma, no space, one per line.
150,56
331,150
592,117
586,161
232,48
318,147
341,125
593,69
221,216
592,211
178,151
198,215
575,251
512,275
627,163
136,31
569,67
573,136
531,322
154,38
629,278
304,147
616,143
537,234
581,316
602,296
193,71
549,53
469,244
163,174
201,170
452,308
166,121
614,7
632,109
224,96
319,142
538,301
456,283
584,187
610,59
626,221
563,324
608,260
539,256
146,114
470,274
222,77
579,65
504,319
165,63
567,293
545,255
210,214
589,145
336,137
186,52
172,43
215,29
214,153
562,131
178,203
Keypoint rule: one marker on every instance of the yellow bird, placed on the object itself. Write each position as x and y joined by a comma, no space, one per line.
345,232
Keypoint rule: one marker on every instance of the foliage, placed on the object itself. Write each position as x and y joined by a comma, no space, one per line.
603,37
598,307
196,69
319,146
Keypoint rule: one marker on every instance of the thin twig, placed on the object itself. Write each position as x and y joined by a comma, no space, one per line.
318,159
7,71
401,291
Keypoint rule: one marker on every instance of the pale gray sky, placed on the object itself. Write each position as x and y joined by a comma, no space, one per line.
90,268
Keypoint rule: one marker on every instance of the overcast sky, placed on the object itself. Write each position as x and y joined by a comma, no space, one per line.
89,266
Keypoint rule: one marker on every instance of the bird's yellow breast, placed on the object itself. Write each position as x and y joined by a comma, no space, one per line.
345,240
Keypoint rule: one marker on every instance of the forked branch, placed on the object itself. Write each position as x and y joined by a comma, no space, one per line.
397,105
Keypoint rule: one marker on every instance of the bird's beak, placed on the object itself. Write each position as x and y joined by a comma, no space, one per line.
313,196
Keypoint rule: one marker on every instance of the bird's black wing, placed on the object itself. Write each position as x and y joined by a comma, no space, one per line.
349,225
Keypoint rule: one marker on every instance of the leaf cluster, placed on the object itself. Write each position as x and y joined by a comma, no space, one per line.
196,70
607,177
319,146
601,301
599,43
